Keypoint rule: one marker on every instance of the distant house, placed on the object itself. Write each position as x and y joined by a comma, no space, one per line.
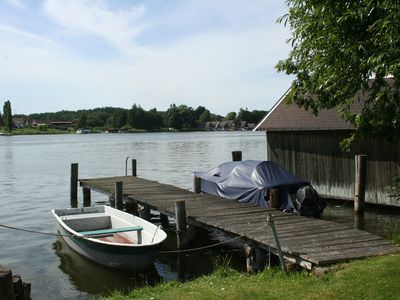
308,146
212,125
243,125
227,125
61,124
18,122
37,123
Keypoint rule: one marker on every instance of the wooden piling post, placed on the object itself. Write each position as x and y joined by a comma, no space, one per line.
197,185
134,168
86,197
118,195
274,198
145,213
236,155
360,181
164,220
271,223
255,258
132,208
6,284
180,215
74,185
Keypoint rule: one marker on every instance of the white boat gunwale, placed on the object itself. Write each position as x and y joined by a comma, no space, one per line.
80,236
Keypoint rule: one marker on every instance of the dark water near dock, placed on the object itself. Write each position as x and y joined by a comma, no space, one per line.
34,178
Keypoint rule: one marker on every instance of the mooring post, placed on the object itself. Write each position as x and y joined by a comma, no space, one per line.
74,185
271,223
132,208
118,194
134,167
145,213
359,221
360,181
197,185
86,197
236,155
164,220
274,198
255,258
180,215
6,284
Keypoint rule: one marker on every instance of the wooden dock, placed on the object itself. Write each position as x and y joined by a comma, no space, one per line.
305,241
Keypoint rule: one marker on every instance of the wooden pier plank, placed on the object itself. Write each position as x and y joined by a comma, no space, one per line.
305,241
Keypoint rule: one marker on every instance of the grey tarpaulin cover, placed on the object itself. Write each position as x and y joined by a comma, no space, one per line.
248,181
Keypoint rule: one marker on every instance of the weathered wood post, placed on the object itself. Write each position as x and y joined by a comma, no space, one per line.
164,220
132,208
270,220
360,181
6,284
180,215
145,212
274,198
134,167
197,185
255,257
236,155
74,185
86,197
118,194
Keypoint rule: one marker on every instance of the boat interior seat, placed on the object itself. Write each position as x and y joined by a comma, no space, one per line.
89,223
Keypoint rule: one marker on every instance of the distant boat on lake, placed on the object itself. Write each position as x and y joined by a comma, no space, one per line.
83,131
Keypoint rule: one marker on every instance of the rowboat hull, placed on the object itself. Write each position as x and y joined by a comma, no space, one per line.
117,250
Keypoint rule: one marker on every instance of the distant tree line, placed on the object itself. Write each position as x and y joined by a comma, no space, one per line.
176,117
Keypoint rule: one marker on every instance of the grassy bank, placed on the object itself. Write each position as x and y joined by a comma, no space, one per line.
34,131
372,278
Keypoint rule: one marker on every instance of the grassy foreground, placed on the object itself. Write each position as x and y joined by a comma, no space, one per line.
372,278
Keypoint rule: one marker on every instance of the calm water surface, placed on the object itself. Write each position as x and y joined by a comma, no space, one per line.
34,178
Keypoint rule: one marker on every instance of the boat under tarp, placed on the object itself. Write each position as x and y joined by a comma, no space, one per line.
249,181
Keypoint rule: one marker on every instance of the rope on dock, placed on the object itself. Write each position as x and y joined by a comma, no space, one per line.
213,245
162,252
39,232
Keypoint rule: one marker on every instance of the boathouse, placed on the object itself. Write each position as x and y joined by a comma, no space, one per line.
309,147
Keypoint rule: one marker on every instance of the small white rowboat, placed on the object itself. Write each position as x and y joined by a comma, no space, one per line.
110,237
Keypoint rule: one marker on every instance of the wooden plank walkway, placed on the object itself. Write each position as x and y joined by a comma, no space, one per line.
306,241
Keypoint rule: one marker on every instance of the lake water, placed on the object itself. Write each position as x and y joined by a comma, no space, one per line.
34,178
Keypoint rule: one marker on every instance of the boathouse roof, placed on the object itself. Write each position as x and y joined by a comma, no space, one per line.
291,117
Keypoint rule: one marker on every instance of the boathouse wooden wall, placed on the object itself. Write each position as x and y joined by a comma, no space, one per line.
317,157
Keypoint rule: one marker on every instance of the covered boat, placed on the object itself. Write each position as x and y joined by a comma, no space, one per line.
110,237
251,181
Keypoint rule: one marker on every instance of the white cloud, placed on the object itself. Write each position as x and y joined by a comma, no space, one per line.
118,28
220,68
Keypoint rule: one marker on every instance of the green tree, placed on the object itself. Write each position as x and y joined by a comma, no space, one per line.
337,46
119,118
205,116
82,121
137,117
179,117
7,116
198,112
230,116
244,114
1,120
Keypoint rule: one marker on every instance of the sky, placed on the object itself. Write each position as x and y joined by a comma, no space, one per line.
69,54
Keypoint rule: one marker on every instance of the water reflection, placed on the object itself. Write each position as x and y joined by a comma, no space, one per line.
380,221
92,278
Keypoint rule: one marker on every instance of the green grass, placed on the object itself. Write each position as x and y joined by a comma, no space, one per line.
372,278
34,131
